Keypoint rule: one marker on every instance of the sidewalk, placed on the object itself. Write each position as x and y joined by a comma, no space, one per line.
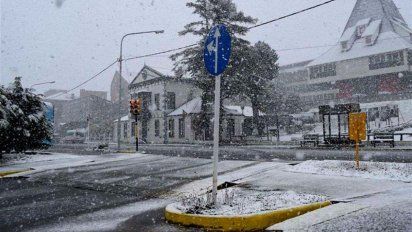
365,204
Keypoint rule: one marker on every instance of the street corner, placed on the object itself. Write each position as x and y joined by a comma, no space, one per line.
249,222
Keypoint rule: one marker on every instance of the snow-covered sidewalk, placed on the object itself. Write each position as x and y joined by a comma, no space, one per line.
370,170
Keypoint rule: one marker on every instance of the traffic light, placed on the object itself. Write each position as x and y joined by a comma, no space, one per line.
139,105
135,106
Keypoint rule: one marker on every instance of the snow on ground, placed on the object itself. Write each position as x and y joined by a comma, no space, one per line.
203,171
103,220
370,170
31,158
49,161
240,201
201,186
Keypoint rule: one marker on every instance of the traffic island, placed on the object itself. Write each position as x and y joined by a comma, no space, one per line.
242,209
11,172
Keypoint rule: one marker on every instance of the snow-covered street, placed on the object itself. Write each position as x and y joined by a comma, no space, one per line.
110,191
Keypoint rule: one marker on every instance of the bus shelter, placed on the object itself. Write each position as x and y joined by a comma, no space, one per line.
335,120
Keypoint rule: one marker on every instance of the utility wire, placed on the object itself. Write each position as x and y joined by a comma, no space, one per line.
292,14
252,27
84,82
278,50
192,45
161,52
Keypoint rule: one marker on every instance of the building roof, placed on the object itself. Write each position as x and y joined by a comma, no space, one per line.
237,110
294,66
374,10
194,107
379,17
191,107
62,96
386,42
123,119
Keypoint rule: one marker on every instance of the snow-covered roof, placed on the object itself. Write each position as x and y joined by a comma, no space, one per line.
313,110
347,35
302,115
363,22
194,107
123,119
386,42
237,110
379,17
372,28
62,96
191,107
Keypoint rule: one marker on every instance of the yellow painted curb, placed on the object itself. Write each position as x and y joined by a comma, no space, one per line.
6,173
248,222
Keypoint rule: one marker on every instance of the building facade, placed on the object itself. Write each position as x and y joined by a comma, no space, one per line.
169,110
371,62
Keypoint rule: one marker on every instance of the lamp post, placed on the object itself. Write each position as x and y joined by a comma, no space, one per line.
120,79
43,83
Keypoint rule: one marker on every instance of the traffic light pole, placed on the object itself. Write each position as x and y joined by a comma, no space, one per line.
136,132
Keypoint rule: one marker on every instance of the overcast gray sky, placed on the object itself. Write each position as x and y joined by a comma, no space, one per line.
70,40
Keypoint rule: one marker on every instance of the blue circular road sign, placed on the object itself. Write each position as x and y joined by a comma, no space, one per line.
217,50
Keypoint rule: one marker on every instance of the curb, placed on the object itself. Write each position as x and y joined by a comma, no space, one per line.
6,173
248,222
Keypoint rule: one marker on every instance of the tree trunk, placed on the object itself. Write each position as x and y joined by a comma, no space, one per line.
256,120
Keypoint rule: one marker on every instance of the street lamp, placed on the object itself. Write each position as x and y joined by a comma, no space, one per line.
42,83
120,78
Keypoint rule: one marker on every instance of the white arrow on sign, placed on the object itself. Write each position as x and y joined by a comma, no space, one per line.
217,35
212,47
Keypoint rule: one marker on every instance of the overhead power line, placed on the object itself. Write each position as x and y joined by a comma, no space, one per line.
192,45
252,27
84,82
291,14
161,52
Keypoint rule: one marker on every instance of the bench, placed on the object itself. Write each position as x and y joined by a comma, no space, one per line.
383,138
310,138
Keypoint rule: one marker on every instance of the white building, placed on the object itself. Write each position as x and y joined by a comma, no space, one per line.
170,106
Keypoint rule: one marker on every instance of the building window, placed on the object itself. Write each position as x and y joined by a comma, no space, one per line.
344,45
157,128
157,101
410,56
386,60
170,100
230,128
144,74
133,129
125,130
368,39
171,128
181,127
324,70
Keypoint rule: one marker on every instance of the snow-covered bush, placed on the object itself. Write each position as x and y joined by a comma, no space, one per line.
22,123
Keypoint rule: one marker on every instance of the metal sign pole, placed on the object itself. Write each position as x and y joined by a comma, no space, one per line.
216,137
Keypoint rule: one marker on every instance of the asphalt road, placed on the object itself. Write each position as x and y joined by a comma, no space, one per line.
58,199
267,153
59,196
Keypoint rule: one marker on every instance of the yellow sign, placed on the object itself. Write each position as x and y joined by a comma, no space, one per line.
357,126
